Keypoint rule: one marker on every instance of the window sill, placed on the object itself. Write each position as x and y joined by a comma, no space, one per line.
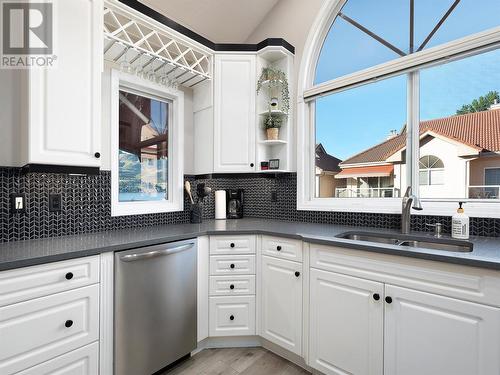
144,208
432,207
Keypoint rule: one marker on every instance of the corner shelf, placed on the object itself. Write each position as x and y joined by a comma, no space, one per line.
273,112
273,142
281,149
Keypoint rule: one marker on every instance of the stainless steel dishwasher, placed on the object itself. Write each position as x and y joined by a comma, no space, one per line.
155,306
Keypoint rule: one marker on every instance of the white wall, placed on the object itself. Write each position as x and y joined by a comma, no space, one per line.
290,20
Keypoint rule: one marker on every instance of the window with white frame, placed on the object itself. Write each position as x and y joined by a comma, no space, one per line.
431,170
396,90
146,147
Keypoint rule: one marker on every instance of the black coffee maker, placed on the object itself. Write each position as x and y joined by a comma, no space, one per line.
234,199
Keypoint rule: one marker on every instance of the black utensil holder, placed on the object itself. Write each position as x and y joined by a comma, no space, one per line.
195,214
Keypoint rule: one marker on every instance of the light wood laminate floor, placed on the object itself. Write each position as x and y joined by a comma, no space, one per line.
235,361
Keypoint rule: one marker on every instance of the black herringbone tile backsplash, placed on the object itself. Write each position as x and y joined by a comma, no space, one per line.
87,208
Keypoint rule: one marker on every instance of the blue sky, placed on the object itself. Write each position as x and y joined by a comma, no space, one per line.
351,121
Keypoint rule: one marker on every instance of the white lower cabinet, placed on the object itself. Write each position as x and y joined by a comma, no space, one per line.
365,327
346,324
36,330
83,361
435,335
281,303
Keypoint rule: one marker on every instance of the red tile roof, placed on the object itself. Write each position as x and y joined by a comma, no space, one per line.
480,130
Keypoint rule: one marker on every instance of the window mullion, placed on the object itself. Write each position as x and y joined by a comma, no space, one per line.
413,131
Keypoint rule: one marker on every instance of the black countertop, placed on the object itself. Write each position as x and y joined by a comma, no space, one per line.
486,253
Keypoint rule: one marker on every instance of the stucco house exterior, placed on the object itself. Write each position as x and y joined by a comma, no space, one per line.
459,158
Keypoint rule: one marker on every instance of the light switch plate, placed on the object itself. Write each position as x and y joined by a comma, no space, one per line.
17,203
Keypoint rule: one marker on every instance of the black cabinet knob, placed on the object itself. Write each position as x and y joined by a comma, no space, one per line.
278,248
388,299
232,265
97,155
231,286
297,273
69,275
68,323
231,317
376,296
251,165
232,245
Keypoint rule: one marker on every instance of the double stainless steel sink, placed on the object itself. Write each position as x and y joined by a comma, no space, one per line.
410,241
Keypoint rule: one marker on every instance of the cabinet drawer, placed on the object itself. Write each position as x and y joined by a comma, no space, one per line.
232,316
282,248
220,245
83,361
41,329
231,285
32,282
232,264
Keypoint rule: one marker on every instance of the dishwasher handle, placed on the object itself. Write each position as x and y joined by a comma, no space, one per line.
156,253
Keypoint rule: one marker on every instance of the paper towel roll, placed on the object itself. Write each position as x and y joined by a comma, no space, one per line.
220,204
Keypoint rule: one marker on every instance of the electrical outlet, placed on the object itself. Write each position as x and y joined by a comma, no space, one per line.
17,203
55,202
274,196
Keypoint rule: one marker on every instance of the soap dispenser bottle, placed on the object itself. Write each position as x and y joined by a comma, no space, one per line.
460,224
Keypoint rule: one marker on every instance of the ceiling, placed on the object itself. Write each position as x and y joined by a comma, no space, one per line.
221,21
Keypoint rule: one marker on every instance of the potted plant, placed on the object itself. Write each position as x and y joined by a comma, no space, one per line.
276,81
272,124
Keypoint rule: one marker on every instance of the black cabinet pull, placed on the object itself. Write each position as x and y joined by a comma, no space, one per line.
278,248
232,245
231,286
376,296
232,265
231,317
251,165
68,323
97,155
388,299
297,273
69,275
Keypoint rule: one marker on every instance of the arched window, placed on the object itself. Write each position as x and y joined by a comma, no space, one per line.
382,80
431,170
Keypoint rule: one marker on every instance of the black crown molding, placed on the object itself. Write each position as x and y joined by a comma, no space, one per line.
63,169
222,47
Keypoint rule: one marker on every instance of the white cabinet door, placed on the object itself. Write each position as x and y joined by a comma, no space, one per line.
234,114
346,324
64,102
281,307
436,335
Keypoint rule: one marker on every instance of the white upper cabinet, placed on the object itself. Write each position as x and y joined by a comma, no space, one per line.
55,112
346,324
65,110
431,334
281,309
234,113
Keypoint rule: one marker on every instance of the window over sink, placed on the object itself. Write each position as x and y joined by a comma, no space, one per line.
147,146
398,94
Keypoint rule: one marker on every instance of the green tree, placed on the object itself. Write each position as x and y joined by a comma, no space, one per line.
480,104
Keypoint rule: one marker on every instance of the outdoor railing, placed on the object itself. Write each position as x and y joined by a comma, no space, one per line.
484,192
367,193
